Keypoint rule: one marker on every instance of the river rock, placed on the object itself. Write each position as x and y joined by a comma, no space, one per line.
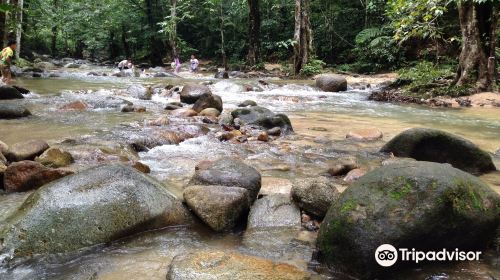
44,65
183,113
141,167
192,92
369,134
94,206
220,265
208,101
29,175
75,106
8,92
171,107
219,207
275,210
331,83
129,108
4,148
22,90
28,150
262,117
354,175
315,195
438,146
140,92
247,103
422,205
13,111
210,112
72,65
230,172
55,158
222,75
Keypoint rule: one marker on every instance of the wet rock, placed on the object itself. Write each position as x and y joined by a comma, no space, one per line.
421,205
161,121
354,175
247,103
192,92
171,107
331,83
209,265
183,113
220,207
13,111
206,101
222,75
140,92
230,172
29,175
275,131
141,167
275,210
95,206
8,92
22,90
72,65
4,148
28,150
370,134
263,136
55,158
76,106
438,146
227,136
3,160
210,112
132,108
262,117
315,195
390,161
44,65
344,167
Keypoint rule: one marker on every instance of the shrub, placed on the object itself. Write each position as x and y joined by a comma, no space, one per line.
314,67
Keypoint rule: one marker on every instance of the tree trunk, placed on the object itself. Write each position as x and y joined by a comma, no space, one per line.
477,22
126,46
19,27
253,56
53,45
222,40
173,27
302,35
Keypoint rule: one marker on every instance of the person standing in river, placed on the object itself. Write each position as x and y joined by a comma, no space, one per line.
177,64
6,61
125,64
194,64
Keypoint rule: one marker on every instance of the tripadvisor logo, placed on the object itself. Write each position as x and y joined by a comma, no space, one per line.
387,255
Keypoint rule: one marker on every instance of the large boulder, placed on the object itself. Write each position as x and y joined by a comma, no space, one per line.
208,101
140,92
262,117
315,195
8,92
211,265
192,92
13,111
55,157
219,207
29,175
230,172
95,206
438,146
28,150
331,83
422,205
275,210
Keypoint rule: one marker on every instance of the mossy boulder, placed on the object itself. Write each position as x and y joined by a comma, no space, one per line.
262,117
438,146
95,206
13,111
421,205
55,158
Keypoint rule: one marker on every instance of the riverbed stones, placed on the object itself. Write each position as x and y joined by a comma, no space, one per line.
315,195
55,158
211,264
229,172
354,175
206,101
183,113
262,117
210,112
28,150
425,144
75,106
13,111
26,175
192,92
247,103
140,92
422,205
219,207
94,206
331,83
8,92
276,210
367,134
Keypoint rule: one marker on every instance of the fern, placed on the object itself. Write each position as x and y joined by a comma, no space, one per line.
368,35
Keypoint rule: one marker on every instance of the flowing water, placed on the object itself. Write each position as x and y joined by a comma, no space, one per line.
320,120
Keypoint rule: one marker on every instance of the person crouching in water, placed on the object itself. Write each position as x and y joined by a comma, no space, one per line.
125,65
194,63
6,61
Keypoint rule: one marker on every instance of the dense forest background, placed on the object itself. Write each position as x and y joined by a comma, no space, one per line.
365,36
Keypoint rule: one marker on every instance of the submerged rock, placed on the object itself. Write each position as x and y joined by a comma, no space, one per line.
140,92
247,103
262,117
75,106
421,205
13,111
8,92
369,134
28,150
208,101
275,210
315,195
192,92
29,175
55,158
220,207
210,112
183,113
331,83
210,265
95,206
438,146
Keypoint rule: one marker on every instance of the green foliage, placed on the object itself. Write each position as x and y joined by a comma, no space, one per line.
425,73
314,67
